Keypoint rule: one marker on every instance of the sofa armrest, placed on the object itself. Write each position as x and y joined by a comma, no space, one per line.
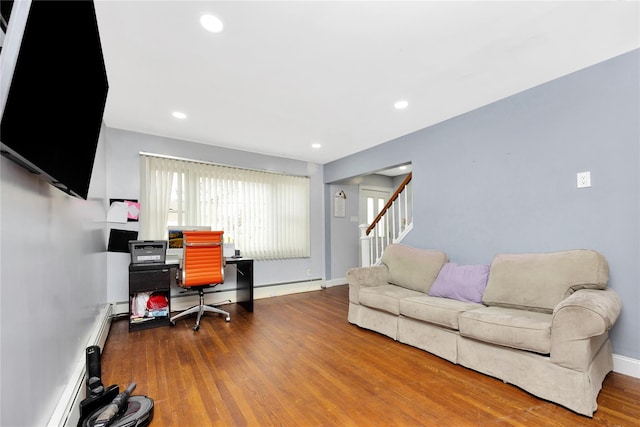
586,313
365,276
580,326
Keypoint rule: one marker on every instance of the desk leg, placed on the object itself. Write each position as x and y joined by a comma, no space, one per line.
244,281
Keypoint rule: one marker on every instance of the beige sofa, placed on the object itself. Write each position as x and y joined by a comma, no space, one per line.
542,322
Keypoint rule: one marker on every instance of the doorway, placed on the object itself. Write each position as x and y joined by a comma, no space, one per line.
372,200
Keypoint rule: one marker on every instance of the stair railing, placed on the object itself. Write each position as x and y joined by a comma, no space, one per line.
391,224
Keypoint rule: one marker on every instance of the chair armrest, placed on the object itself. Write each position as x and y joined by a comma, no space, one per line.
365,276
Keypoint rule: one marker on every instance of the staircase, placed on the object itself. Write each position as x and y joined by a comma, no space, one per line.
393,222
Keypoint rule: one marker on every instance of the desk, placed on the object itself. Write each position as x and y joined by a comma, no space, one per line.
244,281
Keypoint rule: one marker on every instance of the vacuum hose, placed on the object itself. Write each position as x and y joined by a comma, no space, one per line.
112,409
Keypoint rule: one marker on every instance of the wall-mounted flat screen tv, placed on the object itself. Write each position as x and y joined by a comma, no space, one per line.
52,62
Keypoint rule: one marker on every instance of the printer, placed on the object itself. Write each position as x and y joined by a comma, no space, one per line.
148,251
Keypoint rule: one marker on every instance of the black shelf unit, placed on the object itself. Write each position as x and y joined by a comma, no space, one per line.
150,278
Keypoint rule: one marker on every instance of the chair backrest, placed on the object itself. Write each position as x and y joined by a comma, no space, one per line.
203,261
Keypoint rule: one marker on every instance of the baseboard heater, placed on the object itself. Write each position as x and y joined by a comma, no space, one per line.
279,289
67,413
182,302
297,282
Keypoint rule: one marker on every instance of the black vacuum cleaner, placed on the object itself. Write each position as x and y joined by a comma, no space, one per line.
107,406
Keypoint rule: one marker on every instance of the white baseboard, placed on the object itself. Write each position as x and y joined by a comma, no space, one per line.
67,412
336,282
626,366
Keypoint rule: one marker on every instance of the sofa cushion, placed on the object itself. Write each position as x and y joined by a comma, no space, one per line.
413,268
521,329
440,311
461,282
385,297
538,282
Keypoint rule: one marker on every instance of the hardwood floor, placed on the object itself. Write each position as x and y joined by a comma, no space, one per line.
296,361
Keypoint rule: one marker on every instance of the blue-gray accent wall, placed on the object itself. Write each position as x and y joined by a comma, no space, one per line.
502,178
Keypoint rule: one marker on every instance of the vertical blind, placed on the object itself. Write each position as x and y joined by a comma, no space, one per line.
264,214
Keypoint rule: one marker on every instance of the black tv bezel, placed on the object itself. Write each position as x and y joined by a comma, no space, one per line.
52,117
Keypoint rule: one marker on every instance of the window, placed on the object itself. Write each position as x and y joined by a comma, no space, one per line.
373,211
265,214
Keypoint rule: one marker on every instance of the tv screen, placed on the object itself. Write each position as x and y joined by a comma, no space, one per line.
53,110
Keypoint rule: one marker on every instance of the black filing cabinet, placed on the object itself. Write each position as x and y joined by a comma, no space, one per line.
154,278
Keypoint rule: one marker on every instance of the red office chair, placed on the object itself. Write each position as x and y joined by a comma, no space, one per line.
202,267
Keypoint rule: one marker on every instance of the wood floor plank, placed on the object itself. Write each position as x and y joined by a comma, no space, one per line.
296,361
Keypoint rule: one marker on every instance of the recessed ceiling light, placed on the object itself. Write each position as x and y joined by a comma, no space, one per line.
400,105
316,145
212,23
179,115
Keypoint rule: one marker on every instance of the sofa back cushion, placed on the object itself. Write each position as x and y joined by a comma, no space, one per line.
538,282
413,268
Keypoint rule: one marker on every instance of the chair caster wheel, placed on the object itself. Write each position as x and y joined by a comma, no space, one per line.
172,324
228,318
195,328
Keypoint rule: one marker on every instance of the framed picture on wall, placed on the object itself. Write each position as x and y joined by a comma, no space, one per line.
339,204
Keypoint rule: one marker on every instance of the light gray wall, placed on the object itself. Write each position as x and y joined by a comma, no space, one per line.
123,181
502,178
53,282
343,234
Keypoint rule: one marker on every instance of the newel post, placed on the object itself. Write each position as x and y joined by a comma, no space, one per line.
365,246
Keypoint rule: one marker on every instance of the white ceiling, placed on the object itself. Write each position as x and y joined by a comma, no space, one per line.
284,75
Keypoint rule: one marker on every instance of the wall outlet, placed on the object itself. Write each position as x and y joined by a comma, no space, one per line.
584,179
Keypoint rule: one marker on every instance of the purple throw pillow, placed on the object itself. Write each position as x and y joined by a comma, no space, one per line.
461,282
